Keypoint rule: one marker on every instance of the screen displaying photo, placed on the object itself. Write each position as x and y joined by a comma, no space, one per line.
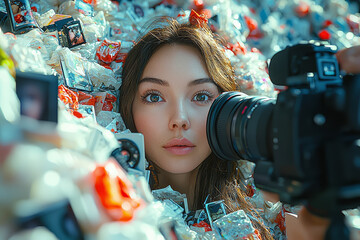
38,95
75,35
21,16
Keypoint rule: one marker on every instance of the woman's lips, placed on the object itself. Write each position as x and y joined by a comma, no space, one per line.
179,150
179,146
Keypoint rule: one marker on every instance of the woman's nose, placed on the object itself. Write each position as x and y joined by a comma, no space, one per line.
180,118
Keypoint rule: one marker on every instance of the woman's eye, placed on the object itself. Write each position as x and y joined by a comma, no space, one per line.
201,97
153,98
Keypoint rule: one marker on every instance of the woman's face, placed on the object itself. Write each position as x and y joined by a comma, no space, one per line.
171,107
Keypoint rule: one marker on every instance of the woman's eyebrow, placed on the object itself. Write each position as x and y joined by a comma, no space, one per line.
154,80
200,81
165,83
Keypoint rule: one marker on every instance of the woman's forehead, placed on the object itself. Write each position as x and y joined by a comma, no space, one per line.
176,60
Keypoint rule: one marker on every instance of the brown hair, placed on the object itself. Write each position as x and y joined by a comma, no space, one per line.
218,179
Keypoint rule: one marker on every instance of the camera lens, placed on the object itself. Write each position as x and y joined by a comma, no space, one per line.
127,155
238,126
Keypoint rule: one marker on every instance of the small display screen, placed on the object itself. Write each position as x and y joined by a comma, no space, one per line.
328,69
21,16
75,35
38,95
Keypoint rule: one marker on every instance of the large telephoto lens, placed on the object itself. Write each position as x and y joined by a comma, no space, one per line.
239,127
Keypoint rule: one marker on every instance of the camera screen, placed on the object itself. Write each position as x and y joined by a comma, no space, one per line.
328,69
215,210
38,95
75,35
22,12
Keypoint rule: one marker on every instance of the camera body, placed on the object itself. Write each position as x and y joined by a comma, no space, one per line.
57,217
131,153
305,141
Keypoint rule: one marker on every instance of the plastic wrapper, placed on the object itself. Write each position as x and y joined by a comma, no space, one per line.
87,112
209,236
46,5
79,104
201,227
74,70
120,30
86,98
88,50
253,78
68,8
100,20
86,137
28,59
152,213
112,126
104,101
68,97
176,197
107,52
94,28
51,44
102,77
106,6
34,40
54,61
45,18
84,7
236,225
111,121
141,186
273,214
173,212
129,231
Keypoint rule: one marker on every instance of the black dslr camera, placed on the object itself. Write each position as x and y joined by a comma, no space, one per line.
306,142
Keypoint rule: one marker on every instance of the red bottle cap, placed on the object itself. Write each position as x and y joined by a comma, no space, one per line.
324,34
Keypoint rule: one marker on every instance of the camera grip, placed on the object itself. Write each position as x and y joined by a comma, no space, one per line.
323,204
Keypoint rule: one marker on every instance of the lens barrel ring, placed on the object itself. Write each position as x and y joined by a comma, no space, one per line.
239,126
217,122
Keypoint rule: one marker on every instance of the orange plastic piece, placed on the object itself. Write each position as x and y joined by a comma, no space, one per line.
196,19
115,191
204,225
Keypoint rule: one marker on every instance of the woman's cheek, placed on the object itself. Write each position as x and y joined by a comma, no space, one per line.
148,120
199,116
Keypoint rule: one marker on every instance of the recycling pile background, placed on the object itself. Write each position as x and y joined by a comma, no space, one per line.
54,167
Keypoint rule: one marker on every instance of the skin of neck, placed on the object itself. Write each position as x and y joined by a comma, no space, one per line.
181,182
